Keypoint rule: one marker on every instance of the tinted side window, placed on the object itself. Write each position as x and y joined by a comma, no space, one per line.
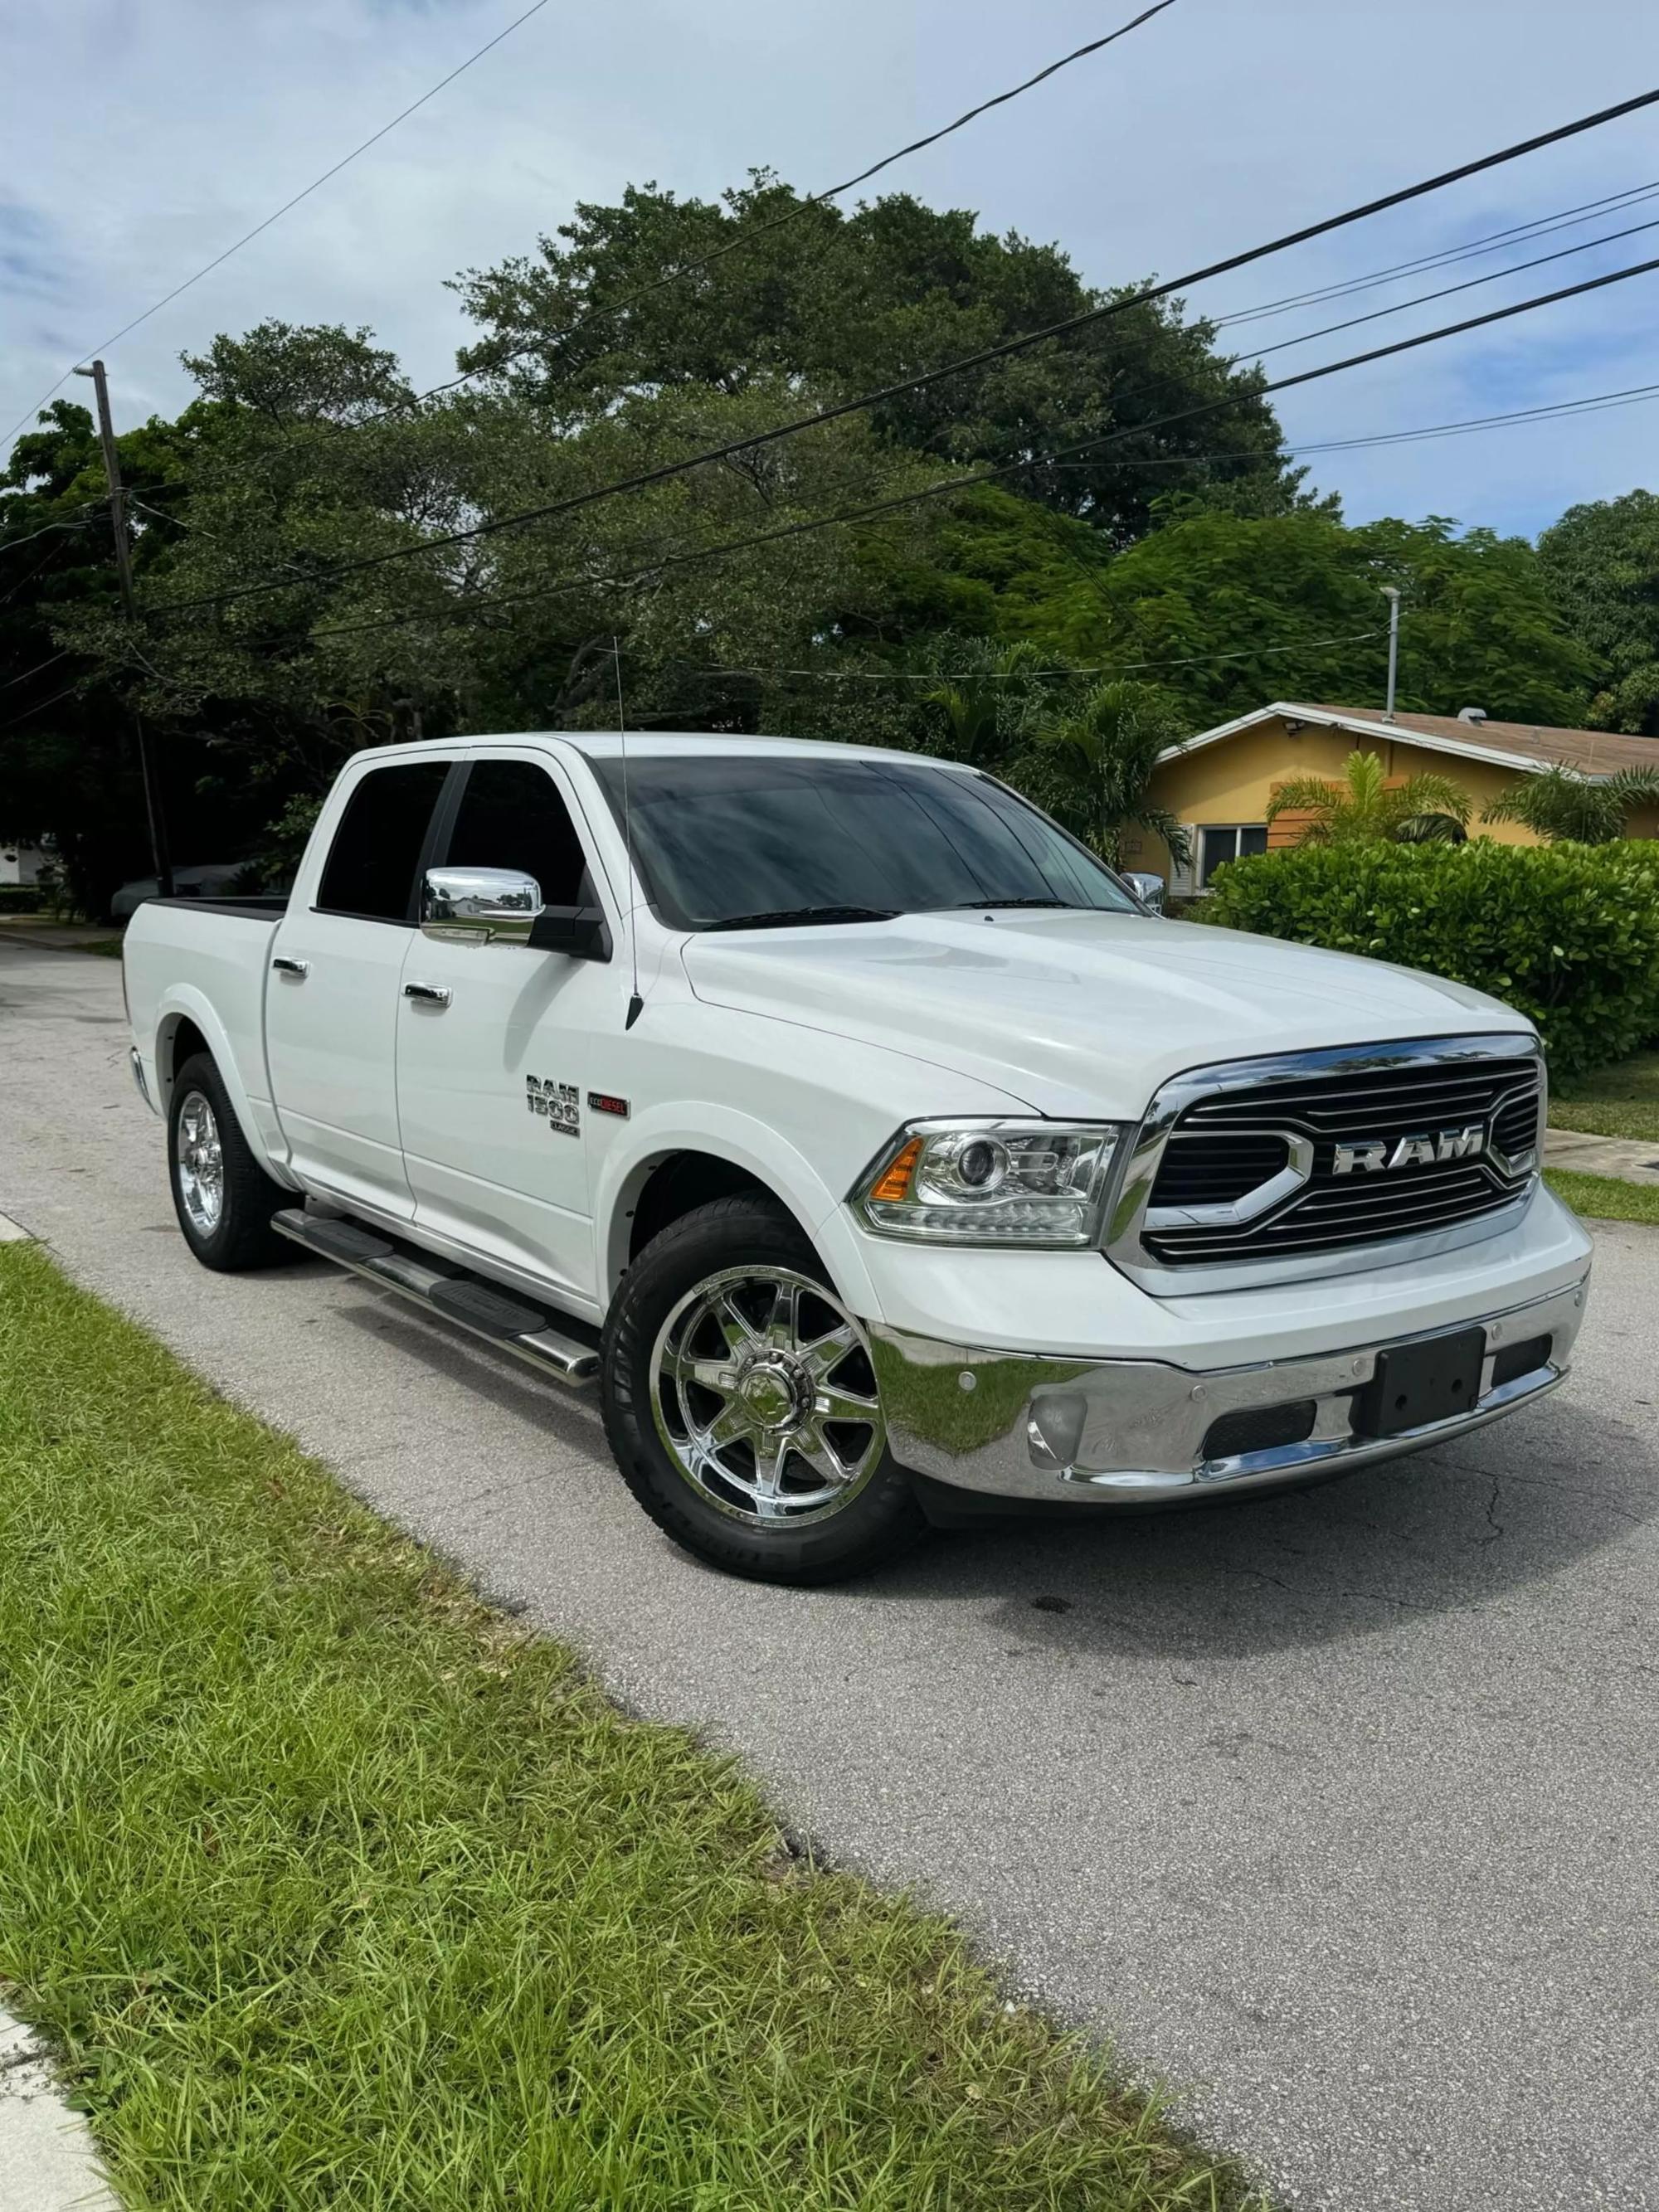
511,815
370,869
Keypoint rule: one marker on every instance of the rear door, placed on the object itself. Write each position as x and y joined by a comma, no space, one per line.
331,998
494,1071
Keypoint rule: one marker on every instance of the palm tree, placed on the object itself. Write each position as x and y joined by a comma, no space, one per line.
1094,761
989,696
1558,804
1423,809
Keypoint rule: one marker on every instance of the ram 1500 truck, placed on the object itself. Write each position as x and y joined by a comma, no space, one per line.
859,1134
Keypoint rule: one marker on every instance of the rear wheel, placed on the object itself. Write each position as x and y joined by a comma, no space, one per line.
223,1198
741,1402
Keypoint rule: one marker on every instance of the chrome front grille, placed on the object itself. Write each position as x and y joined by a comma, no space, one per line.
1277,1164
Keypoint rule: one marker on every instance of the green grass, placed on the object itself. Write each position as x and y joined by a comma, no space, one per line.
1605,1197
1621,1101
335,1889
107,948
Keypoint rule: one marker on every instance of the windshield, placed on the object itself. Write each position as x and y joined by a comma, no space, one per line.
728,838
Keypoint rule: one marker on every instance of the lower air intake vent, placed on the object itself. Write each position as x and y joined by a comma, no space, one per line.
1261,1429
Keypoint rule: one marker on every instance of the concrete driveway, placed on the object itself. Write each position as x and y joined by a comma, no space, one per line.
1339,1810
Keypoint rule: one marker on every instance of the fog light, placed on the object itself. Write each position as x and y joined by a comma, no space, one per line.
1054,1429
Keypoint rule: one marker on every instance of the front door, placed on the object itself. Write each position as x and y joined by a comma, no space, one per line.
333,995
491,1068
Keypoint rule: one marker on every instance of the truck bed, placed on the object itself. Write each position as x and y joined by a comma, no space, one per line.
208,962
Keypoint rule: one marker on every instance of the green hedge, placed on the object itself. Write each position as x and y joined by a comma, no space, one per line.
20,898
1569,935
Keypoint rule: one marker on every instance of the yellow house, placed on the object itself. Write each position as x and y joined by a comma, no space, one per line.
1219,782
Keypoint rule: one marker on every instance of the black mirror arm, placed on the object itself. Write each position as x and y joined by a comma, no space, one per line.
580,931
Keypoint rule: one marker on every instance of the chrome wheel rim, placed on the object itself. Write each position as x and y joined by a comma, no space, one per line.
199,1163
765,1397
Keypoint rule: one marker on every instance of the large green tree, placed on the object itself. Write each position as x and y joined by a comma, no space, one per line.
1601,563
831,304
275,618
69,768
1227,612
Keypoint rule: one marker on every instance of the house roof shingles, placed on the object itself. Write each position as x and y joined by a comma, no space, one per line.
1592,752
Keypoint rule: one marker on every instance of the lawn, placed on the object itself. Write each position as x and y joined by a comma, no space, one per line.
1621,1100
1605,1197
336,1889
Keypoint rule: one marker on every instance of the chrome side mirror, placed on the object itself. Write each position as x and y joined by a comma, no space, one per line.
1149,889
479,906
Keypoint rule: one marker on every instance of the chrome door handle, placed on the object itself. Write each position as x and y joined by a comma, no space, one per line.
428,993
285,966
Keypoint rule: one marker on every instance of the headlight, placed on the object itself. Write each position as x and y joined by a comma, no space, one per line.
1035,1183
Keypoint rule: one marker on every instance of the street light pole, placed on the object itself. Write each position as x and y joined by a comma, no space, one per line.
154,807
1391,594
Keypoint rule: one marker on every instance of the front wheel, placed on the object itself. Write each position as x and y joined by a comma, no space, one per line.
223,1198
741,1402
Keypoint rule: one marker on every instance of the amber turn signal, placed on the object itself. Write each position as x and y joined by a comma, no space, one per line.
894,1184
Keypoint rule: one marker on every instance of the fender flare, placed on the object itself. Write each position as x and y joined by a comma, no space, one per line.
728,1134
182,1002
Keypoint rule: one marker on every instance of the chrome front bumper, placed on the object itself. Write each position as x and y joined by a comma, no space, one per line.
1133,1433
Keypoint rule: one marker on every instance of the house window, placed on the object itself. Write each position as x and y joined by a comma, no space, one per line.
1231,843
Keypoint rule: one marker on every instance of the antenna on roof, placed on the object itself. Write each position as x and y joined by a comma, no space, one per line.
635,1004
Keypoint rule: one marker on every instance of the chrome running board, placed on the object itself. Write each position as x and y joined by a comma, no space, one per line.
496,1316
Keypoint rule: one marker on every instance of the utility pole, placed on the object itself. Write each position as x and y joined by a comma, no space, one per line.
1391,594
118,515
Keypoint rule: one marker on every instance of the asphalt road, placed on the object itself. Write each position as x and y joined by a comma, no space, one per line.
1337,1810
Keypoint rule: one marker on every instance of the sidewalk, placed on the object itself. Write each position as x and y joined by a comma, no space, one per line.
1627,1159
47,2163
55,936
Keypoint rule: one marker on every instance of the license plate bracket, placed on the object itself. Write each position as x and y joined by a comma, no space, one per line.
1416,1383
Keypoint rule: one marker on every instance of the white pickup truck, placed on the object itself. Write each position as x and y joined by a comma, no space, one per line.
882,1158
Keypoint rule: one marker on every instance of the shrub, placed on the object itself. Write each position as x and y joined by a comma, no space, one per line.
1567,934
20,898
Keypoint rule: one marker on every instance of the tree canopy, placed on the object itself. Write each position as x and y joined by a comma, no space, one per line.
832,304
326,559
1601,563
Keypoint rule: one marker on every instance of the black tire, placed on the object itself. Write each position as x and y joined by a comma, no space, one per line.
879,1520
241,1237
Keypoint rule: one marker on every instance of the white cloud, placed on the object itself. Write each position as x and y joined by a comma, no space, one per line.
145,135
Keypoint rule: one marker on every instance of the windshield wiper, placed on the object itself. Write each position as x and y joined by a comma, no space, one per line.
781,917
969,906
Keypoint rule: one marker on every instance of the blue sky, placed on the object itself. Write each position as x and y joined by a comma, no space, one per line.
140,137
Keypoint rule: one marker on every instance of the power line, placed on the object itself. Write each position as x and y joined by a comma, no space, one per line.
1468,284
949,485
861,404
1593,405
1019,674
1541,227
247,237
61,654
748,236
8,544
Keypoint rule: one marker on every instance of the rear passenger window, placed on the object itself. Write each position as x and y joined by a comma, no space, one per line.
511,815
370,869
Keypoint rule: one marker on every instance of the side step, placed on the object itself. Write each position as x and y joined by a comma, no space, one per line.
510,1324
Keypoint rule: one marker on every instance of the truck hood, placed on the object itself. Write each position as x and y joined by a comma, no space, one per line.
1075,1012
